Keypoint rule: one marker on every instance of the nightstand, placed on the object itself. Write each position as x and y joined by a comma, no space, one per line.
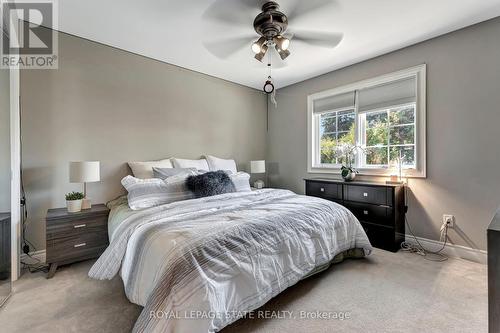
73,237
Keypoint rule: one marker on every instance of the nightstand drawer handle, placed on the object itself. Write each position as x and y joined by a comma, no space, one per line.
79,226
80,245
365,212
322,189
365,194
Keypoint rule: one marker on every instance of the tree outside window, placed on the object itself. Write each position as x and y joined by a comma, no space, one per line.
389,132
336,128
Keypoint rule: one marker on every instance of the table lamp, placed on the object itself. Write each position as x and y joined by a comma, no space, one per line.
397,178
84,172
258,167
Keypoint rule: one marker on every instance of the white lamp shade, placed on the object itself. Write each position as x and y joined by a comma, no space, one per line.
258,166
84,172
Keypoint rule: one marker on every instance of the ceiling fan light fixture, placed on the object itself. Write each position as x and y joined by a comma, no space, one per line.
259,56
283,53
282,42
285,44
258,45
255,48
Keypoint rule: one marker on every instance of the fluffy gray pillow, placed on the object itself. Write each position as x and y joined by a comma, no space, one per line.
210,183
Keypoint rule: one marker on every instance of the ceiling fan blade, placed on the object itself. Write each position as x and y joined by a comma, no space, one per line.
305,7
318,38
224,48
232,12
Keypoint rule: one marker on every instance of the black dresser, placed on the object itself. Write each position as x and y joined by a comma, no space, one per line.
379,207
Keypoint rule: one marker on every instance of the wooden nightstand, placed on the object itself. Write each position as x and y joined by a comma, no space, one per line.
73,237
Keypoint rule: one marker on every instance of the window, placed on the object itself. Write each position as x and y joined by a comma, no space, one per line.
336,127
384,116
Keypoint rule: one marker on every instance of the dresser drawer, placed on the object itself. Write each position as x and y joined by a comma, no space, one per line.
84,246
371,213
369,194
380,236
79,226
324,190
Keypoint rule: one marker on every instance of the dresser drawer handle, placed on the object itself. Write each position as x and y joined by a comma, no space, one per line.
365,212
365,194
322,189
80,245
79,226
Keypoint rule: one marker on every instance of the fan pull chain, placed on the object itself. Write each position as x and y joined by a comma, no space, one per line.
273,93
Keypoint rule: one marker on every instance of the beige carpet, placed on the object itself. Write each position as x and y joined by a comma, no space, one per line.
386,293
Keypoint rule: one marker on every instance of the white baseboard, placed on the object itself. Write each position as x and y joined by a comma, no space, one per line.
39,255
451,250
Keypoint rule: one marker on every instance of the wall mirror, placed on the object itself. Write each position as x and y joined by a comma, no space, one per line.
5,183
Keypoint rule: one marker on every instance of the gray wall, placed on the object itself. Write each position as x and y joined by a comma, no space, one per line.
4,141
108,105
463,127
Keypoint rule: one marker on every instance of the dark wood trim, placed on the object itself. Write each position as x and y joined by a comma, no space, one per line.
493,238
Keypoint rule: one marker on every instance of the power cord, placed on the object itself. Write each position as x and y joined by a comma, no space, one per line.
419,248
35,265
26,244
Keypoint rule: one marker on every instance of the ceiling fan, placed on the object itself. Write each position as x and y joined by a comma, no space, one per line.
271,25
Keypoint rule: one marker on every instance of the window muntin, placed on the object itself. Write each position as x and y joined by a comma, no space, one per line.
387,134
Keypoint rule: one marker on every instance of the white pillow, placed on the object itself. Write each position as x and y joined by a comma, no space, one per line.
164,173
144,170
241,181
215,163
200,164
146,193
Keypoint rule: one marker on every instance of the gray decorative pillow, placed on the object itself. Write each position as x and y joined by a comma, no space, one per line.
146,193
210,183
164,173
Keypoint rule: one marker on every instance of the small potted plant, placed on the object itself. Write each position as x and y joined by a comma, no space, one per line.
74,202
347,153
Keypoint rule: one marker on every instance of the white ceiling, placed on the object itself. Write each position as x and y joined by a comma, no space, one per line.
174,31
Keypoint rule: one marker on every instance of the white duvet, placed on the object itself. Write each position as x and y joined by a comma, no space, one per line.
200,264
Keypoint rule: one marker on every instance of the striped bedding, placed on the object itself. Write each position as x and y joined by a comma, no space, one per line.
222,255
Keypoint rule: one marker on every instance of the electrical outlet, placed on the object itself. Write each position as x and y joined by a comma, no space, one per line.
449,220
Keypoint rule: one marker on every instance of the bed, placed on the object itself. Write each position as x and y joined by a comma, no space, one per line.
198,265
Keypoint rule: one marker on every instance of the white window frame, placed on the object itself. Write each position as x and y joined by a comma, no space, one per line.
420,171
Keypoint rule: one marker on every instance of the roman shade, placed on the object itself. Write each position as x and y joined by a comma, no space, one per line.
335,102
389,94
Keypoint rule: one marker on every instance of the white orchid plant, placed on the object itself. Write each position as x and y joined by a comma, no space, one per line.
347,151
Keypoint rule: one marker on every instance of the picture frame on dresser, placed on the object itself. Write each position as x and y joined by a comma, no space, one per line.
380,207
73,237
